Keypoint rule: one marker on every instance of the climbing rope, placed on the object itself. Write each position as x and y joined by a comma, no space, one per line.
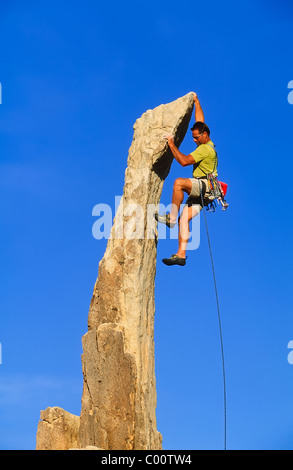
219,320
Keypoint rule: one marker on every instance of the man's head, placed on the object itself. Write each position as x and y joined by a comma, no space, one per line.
200,133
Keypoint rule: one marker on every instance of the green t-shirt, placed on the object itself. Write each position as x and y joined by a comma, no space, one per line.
205,160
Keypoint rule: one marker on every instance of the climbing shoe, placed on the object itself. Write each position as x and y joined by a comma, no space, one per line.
174,260
165,219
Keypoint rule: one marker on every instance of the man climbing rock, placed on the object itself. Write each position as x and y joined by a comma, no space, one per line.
204,161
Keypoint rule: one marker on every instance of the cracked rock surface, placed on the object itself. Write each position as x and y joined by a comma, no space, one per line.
57,430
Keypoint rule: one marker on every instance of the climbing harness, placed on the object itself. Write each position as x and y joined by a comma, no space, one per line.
218,189
219,321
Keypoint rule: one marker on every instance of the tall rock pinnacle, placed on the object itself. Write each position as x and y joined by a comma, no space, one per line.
119,392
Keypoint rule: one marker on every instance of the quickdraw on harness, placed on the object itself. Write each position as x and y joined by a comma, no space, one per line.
218,190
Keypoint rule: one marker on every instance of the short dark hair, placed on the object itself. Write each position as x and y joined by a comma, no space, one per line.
201,127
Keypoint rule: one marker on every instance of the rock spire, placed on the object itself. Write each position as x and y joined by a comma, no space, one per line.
119,393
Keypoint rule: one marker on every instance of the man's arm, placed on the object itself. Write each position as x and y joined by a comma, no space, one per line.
184,160
199,116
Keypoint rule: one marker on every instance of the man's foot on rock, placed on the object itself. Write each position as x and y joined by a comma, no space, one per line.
165,219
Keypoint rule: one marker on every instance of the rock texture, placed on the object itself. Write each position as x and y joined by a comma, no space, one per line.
119,393
57,430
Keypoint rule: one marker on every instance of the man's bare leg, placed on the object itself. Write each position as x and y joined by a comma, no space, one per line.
181,186
184,233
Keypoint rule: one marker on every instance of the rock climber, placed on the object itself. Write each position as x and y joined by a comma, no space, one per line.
204,161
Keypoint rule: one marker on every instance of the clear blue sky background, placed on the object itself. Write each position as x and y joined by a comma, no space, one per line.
75,76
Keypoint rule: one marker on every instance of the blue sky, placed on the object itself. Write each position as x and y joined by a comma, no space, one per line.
74,80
